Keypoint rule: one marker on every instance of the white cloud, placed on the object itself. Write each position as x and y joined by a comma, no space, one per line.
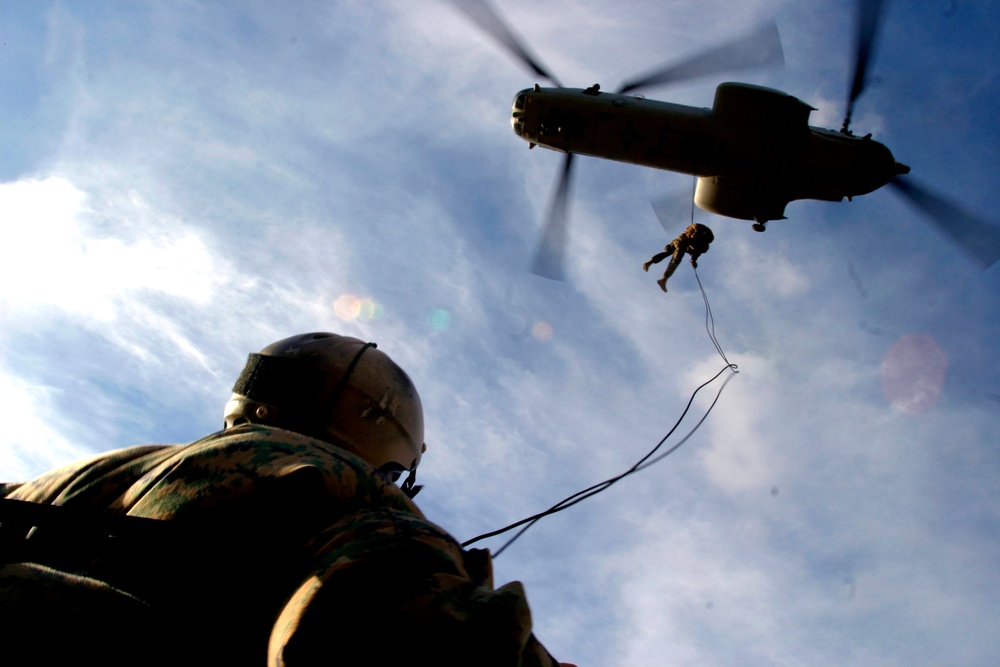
221,180
759,267
33,439
50,259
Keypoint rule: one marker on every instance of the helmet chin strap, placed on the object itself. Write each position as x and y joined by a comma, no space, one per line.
408,486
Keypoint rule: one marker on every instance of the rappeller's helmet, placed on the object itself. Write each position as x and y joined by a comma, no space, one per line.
338,389
701,232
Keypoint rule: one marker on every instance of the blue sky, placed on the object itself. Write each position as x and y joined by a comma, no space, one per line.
182,183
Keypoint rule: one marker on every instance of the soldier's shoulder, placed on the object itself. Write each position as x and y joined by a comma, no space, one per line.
260,439
9,487
85,476
269,449
249,460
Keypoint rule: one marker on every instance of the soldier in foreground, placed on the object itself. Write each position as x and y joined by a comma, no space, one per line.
280,540
694,241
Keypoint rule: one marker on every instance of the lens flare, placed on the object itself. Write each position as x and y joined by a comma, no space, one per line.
913,373
542,331
370,310
349,307
439,319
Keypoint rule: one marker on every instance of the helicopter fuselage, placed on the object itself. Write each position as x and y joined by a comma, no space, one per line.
753,152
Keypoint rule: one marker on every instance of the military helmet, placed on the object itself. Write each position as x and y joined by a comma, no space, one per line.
334,388
699,231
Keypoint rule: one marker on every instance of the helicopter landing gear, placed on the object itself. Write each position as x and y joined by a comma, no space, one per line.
760,226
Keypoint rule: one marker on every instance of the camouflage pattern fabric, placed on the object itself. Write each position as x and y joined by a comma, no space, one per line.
694,240
698,239
276,549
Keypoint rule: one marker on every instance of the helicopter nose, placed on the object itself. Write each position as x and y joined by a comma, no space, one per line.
516,124
517,112
875,167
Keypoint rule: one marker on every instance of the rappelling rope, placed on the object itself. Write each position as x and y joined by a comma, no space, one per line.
643,463
709,319
710,324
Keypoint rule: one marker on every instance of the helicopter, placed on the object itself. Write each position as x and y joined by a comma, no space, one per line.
753,152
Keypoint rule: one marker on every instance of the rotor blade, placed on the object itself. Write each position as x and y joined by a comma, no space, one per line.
483,15
758,48
978,238
868,17
549,258
674,211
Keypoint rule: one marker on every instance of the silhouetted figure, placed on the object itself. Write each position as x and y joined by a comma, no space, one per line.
693,241
281,540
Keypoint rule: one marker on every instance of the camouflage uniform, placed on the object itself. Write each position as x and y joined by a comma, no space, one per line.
694,241
275,549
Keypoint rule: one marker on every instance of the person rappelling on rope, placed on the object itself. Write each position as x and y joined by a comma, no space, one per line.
693,241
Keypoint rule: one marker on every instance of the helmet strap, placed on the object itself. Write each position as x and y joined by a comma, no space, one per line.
408,486
342,383
277,382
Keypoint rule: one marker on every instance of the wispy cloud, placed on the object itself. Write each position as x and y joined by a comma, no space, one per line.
188,183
